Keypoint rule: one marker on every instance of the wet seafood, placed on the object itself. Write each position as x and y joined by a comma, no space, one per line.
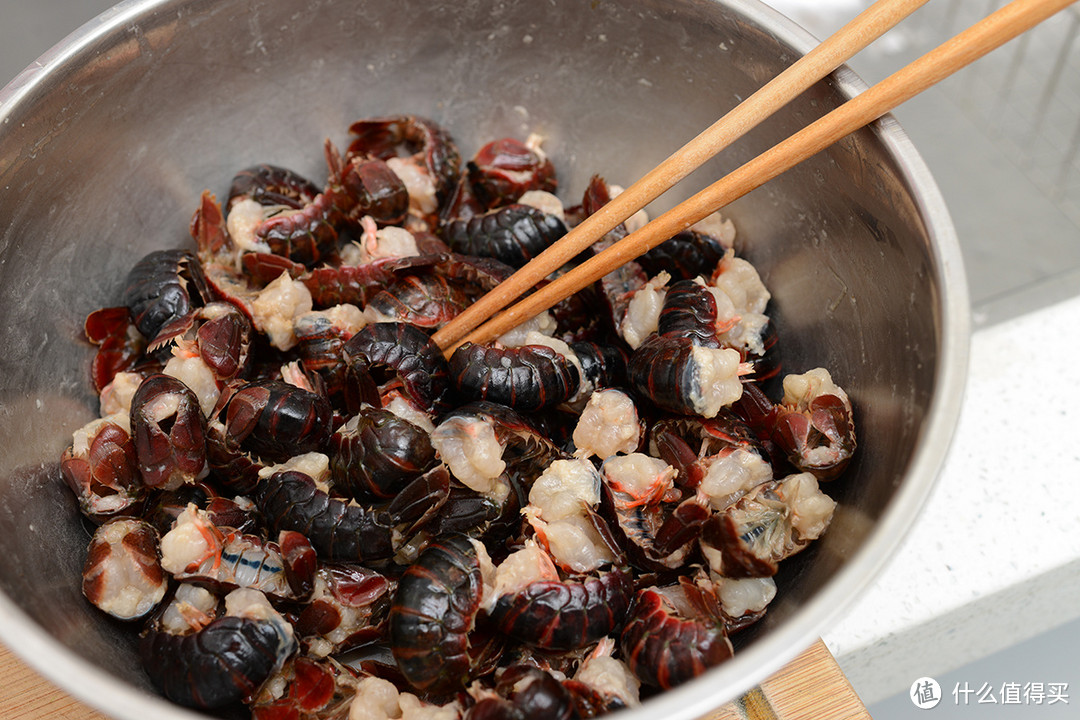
717,457
813,424
527,378
525,692
164,288
686,255
640,497
271,185
205,660
420,152
320,337
399,355
485,445
168,430
376,453
609,424
346,610
377,698
562,512
434,610
101,469
426,301
674,633
505,169
685,378
565,615
338,530
778,519
603,683
514,234
122,575
307,689
199,551
377,191
287,474
308,233
275,420
120,344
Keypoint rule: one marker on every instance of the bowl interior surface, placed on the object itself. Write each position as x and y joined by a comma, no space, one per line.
106,147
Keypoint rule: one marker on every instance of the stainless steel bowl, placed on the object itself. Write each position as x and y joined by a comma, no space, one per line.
107,141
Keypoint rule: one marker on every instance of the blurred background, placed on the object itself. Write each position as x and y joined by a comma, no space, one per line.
1002,139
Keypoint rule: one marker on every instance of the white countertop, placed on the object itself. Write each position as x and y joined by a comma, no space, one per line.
994,558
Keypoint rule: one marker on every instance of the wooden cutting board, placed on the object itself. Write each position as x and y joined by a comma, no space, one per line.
810,687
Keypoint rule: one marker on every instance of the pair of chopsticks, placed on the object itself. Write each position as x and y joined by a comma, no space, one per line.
996,29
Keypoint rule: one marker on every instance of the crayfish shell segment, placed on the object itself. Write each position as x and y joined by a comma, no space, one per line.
100,468
122,575
566,615
584,387
685,378
669,639
527,378
434,610
504,170
346,610
337,529
163,290
184,659
307,688
168,428
814,424
775,521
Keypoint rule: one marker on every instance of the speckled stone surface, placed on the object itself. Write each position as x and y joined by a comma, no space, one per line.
994,558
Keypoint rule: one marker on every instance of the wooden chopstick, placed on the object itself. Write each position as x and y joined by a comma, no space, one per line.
996,29
807,70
